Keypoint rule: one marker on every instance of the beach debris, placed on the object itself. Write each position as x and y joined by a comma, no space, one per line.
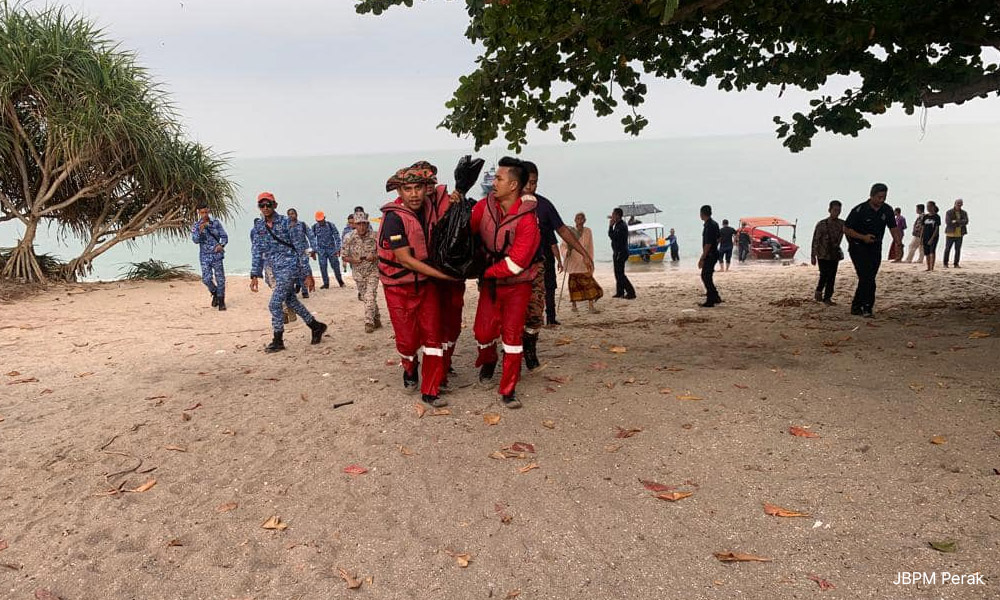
23,380
440,412
618,349
44,594
528,467
599,365
515,450
917,387
275,523
144,487
175,448
938,440
549,424
623,433
84,374
420,409
345,403
13,373
226,507
461,559
1,418
655,487
3,545
512,594
491,418
522,447
673,496
673,369
978,335
351,581
687,426
666,391
194,406
739,557
156,398
740,386
174,543
946,546
561,379
45,391
501,511
406,451
822,583
787,302
802,432
777,511
355,470
564,341
910,345
689,396
185,416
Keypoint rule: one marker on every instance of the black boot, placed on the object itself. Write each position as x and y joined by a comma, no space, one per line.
530,342
411,382
277,344
318,329
222,302
486,372
435,401
215,300
510,400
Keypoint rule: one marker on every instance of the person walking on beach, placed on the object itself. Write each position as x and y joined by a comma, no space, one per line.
744,243
304,235
709,256
727,236
896,254
508,227
618,232
955,222
549,259
361,252
930,233
917,243
413,302
328,248
826,252
274,248
580,266
865,227
674,249
211,238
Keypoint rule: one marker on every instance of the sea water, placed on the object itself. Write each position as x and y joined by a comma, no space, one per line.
739,176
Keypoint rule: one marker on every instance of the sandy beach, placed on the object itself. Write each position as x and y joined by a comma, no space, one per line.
147,438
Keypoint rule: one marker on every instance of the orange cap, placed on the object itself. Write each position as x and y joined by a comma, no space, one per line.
265,196
319,215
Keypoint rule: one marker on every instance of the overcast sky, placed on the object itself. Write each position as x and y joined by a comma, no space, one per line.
311,77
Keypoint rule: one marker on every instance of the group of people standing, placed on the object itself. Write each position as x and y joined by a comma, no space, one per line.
865,228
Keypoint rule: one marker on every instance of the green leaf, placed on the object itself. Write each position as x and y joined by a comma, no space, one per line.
945,546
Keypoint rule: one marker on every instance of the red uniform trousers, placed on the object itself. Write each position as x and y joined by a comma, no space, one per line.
502,314
452,301
414,312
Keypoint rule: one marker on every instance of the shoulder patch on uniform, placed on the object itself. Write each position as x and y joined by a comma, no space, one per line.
395,238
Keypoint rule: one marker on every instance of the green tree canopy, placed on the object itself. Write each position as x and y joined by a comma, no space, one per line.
88,142
541,58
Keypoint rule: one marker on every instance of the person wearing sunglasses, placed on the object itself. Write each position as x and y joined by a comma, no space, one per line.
274,248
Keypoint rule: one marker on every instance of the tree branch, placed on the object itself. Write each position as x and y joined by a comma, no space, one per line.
9,206
961,93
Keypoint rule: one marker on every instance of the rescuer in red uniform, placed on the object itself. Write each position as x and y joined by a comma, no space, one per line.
507,224
410,292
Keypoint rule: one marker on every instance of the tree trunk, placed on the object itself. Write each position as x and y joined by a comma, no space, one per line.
22,265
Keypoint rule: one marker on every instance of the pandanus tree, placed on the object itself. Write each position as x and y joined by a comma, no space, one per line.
88,143
541,59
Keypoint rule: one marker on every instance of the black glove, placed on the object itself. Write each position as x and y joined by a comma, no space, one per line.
467,173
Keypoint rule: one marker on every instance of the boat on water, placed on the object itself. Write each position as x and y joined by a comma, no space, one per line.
765,241
488,177
647,242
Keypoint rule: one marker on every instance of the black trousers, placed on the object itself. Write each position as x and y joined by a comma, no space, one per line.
707,272
827,277
867,259
948,243
623,287
744,252
550,287
674,253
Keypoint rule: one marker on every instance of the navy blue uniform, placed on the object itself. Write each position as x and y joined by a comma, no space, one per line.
327,240
213,275
284,254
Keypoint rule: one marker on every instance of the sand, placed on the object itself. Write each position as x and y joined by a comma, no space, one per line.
125,383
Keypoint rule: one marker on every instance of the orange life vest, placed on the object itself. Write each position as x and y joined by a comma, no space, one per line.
498,231
391,272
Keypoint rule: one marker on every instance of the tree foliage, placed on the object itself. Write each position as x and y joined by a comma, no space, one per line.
88,142
542,58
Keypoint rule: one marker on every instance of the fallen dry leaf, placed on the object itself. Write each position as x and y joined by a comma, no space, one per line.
916,387
174,543
501,510
978,335
1,418
561,379
666,391
823,584
13,374
689,396
512,594
618,349
45,391
23,380
939,439
598,366
947,546
194,406
355,470
777,511
462,559
405,451
623,433
522,447
802,432
3,545
228,506
612,448
674,496
740,386
144,487
528,467
655,487
175,448
549,424
352,583
491,418
441,412
420,409
185,416
275,523
739,557
563,341
84,374
43,594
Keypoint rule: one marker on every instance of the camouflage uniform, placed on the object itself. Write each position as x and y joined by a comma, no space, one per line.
536,307
211,261
359,249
